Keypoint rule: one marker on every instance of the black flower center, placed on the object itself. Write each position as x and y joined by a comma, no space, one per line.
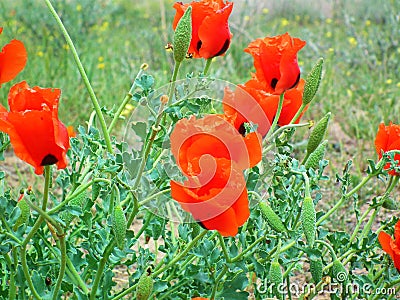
49,159
242,129
225,47
274,82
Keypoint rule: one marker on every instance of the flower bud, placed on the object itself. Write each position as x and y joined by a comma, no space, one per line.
316,156
119,225
316,269
339,271
272,218
275,273
144,287
390,204
318,133
78,201
308,219
25,213
312,82
183,36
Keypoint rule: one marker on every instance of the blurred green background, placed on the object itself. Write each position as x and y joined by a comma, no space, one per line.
358,39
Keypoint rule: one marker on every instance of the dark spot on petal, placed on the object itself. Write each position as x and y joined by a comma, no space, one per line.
224,47
274,82
201,224
198,46
49,159
242,129
297,81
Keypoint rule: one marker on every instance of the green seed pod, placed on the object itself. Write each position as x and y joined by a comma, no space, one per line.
390,204
318,133
95,191
183,36
79,201
312,82
308,219
119,225
315,157
25,213
316,269
339,271
144,287
275,273
272,218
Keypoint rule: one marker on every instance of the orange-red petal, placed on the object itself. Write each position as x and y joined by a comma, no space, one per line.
385,241
13,59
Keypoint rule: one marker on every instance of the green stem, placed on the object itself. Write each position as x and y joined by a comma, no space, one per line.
344,198
216,283
158,270
100,269
223,246
61,273
79,190
127,98
329,247
283,128
207,66
364,215
298,113
276,118
34,229
85,78
12,289
182,254
172,82
244,252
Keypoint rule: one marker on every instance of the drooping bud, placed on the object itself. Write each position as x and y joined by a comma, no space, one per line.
271,217
315,157
316,269
308,220
144,287
275,273
339,271
317,135
183,36
119,225
25,213
77,201
312,82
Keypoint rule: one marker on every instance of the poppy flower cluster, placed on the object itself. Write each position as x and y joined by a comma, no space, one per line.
387,139
210,29
392,246
212,154
277,72
36,134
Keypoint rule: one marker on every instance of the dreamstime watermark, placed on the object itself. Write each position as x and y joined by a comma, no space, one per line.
297,289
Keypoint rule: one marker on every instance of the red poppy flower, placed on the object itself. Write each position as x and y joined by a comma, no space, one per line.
275,61
212,135
388,138
13,59
251,103
38,137
210,30
217,197
391,246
